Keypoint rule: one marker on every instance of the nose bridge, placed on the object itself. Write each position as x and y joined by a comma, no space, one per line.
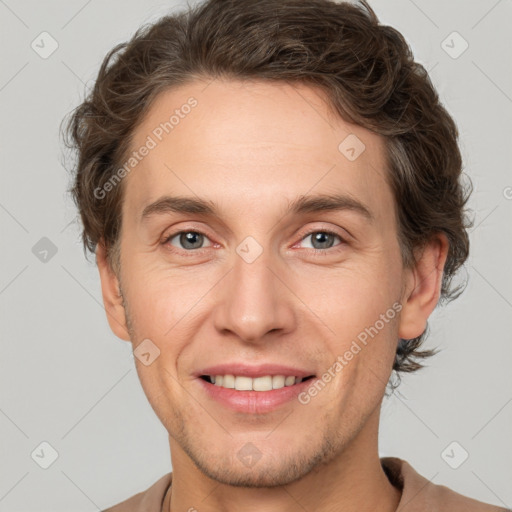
254,301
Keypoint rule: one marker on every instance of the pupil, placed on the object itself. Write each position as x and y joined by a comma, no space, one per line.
187,238
318,238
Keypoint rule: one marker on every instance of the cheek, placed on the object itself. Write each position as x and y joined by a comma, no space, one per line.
372,323
362,311
362,362
351,297
160,297
166,307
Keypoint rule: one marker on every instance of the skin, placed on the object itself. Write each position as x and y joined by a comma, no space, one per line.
251,147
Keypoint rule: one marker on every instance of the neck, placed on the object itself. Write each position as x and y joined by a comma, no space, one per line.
351,481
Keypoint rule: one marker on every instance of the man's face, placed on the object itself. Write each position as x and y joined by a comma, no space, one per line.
246,286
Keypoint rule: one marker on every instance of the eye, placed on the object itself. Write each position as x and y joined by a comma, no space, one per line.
322,240
192,241
187,240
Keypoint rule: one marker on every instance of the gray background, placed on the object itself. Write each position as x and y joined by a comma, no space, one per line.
67,380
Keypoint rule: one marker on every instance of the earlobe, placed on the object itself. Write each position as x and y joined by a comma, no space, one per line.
112,298
423,287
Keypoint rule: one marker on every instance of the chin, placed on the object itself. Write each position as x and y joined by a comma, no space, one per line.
269,467
262,474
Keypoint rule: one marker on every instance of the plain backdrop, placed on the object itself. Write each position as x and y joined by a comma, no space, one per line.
66,380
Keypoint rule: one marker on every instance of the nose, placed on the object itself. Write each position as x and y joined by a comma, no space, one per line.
255,301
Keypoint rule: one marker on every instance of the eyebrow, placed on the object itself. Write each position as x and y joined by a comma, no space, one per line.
300,205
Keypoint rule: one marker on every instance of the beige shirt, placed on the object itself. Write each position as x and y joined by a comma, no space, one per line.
418,494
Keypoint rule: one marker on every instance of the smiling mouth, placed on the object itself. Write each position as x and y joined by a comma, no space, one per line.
244,383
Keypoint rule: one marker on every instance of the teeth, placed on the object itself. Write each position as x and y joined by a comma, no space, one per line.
278,381
243,383
228,381
289,381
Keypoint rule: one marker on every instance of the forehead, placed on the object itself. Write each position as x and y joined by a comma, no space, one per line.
251,144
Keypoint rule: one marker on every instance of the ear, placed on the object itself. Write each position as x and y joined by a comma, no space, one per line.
423,287
112,298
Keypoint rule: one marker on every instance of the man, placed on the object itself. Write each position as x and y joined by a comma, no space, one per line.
271,189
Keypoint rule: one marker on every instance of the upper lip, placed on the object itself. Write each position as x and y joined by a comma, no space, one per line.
253,371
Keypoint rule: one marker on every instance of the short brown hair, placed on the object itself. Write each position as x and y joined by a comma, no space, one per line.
369,77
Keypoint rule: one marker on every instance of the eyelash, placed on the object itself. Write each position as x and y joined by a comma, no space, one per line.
193,252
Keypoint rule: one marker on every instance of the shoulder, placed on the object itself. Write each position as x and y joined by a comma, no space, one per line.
149,500
421,495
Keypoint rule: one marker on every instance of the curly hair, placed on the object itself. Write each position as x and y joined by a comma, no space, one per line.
366,70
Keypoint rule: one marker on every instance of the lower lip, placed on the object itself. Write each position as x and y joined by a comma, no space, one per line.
254,402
